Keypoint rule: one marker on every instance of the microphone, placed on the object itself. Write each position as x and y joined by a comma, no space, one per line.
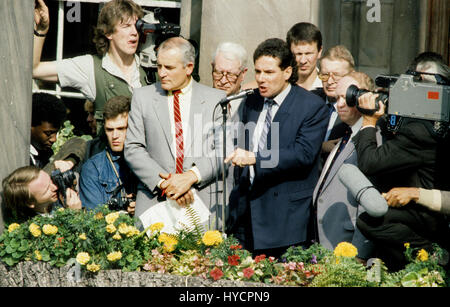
362,190
241,94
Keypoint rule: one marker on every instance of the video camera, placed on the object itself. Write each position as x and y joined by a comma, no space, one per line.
63,180
118,202
408,96
155,30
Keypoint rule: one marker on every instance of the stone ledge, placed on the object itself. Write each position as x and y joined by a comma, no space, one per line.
41,274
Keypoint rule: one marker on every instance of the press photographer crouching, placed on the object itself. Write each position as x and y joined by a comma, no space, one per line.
29,191
106,178
408,159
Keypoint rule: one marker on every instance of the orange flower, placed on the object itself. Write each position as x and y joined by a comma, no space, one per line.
260,258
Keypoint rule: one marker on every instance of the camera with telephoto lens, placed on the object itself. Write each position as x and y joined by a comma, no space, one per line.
63,181
118,202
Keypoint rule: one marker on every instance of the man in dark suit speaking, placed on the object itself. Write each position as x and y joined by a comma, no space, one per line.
283,129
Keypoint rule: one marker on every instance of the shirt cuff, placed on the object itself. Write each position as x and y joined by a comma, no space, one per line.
430,199
197,173
367,126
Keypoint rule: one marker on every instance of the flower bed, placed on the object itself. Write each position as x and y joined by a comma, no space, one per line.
104,243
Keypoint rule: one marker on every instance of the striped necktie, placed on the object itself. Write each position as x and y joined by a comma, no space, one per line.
267,123
178,132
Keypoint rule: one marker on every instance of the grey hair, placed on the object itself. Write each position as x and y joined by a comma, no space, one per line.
232,51
436,67
186,49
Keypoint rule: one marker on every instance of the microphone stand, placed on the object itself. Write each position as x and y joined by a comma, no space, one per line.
224,107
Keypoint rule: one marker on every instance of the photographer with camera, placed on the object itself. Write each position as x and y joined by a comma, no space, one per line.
409,159
29,191
106,178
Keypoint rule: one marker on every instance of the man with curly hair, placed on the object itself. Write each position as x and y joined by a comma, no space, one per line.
113,71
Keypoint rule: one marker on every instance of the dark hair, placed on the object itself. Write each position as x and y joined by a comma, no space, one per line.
47,108
304,32
277,48
116,106
112,13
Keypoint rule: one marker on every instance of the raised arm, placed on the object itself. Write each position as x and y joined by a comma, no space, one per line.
42,70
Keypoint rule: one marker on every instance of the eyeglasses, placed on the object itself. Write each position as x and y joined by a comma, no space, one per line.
325,77
218,75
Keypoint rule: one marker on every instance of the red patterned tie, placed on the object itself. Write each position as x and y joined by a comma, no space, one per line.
178,132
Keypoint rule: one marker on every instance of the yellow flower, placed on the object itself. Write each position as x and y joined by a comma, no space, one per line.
406,245
49,229
132,231
98,216
83,258
35,230
82,236
212,237
60,210
114,256
156,227
93,267
422,255
37,255
345,249
112,217
117,236
111,228
123,228
13,227
169,241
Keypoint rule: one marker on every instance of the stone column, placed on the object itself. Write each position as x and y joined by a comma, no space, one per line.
15,84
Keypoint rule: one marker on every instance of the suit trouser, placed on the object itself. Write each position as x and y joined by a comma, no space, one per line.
411,224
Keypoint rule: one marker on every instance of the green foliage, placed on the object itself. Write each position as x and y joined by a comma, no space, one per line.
65,134
101,240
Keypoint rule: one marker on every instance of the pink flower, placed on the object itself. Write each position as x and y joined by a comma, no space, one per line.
219,263
248,272
216,274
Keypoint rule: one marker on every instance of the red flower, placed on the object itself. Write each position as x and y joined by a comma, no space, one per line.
60,239
260,258
235,247
248,272
216,274
233,260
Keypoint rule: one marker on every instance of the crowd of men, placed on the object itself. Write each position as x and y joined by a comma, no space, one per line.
285,145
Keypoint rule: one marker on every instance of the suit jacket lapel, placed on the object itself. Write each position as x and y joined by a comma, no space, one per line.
348,150
162,112
196,110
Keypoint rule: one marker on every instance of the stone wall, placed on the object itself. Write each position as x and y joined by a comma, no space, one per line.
41,274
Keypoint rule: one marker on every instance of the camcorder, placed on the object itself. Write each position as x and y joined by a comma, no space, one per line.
118,201
154,30
63,181
408,96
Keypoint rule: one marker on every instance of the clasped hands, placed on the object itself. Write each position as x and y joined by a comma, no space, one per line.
178,187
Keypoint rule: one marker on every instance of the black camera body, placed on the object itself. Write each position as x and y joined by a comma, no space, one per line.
118,202
63,180
353,93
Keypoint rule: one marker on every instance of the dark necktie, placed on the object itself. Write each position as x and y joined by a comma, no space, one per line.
267,123
344,141
178,132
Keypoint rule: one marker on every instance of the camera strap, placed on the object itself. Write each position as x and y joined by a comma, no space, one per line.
114,168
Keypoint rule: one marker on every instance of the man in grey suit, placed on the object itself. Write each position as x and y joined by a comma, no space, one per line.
336,209
170,143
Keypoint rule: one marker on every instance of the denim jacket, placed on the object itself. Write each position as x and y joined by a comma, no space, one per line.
98,179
